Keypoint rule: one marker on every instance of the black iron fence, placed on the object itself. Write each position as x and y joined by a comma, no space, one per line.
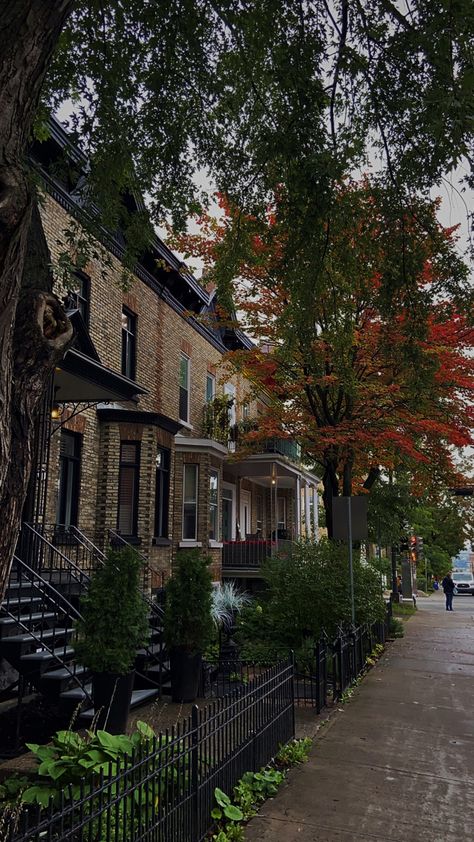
164,792
333,665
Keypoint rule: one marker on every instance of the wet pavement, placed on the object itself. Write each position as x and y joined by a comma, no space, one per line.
396,763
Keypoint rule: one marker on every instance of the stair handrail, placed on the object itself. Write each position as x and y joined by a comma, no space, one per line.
42,585
114,537
77,572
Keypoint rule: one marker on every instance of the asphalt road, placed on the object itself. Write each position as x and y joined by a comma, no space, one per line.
397,763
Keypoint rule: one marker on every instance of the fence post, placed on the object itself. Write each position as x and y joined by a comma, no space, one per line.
292,693
195,772
318,676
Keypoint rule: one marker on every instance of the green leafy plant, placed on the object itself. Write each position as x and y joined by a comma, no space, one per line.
11,788
225,808
231,833
227,602
188,623
294,752
114,620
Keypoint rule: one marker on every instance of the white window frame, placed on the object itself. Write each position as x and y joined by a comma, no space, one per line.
211,378
214,506
284,522
228,486
189,539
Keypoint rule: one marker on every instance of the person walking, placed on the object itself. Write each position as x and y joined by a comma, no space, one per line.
448,587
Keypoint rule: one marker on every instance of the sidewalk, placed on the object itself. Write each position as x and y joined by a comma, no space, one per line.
397,764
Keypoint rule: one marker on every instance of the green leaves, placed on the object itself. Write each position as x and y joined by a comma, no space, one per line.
114,616
229,810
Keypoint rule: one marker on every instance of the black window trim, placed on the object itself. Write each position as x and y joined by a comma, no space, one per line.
129,341
136,487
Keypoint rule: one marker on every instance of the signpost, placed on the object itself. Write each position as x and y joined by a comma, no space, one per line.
349,519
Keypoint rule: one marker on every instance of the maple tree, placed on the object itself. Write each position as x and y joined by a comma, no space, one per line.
363,333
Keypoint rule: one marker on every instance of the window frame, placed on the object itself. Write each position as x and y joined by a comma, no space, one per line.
213,513
162,494
129,344
67,462
194,502
136,486
83,295
210,378
184,358
281,524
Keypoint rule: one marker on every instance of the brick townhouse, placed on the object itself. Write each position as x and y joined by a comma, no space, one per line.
135,449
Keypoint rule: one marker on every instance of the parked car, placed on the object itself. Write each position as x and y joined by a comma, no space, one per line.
464,583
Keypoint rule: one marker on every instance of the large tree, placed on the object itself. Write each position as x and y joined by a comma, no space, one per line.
259,94
365,353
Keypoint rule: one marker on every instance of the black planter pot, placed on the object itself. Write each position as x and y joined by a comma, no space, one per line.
111,694
185,675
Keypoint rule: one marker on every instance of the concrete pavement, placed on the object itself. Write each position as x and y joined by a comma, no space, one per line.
397,763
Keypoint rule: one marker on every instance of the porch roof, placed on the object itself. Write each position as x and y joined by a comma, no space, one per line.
261,467
82,379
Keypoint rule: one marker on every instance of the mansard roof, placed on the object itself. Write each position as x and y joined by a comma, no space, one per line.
63,168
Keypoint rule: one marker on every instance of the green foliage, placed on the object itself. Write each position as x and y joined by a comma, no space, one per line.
396,628
308,592
294,752
11,788
225,808
188,623
403,609
114,620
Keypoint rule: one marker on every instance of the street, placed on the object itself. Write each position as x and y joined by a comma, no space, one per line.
397,763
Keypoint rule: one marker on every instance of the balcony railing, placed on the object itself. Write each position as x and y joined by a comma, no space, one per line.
251,554
216,426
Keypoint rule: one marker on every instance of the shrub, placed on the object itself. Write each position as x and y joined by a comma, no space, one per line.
114,620
188,623
309,592
396,628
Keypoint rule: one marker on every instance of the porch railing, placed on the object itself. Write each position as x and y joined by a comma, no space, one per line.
251,553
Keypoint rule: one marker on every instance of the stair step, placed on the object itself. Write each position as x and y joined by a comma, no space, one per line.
155,669
139,697
28,618
76,694
63,673
46,634
10,604
152,649
43,656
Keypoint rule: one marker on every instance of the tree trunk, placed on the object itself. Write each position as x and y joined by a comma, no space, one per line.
34,332
330,488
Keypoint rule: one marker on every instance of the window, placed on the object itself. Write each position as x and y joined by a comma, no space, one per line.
190,491
127,516
210,388
281,513
213,506
184,366
69,479
259,512
129,343
162,493
81,295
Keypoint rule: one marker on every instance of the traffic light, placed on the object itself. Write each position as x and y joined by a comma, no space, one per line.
413,549
419,549
403,546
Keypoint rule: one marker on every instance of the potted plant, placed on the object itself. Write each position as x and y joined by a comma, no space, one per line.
114,625
188,626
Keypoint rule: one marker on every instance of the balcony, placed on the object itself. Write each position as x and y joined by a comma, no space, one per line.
217,426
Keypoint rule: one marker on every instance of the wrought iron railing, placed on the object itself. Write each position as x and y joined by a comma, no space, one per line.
165,790
36,608
251,553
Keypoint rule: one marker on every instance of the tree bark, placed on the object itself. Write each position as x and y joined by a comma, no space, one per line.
34,332
330,488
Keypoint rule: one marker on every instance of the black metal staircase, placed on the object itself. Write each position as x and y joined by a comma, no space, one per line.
37,618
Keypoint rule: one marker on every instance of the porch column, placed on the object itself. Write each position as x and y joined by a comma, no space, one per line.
315,510
307,511
298,507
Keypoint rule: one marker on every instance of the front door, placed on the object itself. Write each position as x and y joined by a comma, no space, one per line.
245,514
